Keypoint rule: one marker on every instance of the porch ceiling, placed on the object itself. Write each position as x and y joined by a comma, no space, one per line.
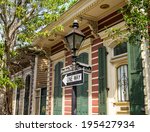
83,11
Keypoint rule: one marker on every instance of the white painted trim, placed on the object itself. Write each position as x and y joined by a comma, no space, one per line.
25,70
84,44
95,91
34,84
96,64
95,85
39,89
95,99
58,56
95,58
96,51
97,45
146,73
94,78
95,70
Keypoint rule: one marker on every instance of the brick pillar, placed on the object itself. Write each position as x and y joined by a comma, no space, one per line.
96,44
68,90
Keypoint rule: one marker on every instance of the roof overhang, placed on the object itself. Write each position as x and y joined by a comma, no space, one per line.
84,11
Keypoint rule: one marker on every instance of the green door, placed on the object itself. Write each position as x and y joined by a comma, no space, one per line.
82,90
102,61
43,101
58,89
136,88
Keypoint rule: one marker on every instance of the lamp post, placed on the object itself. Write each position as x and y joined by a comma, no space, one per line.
74,40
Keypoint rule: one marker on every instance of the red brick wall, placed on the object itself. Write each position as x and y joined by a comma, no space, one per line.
110,20
68,90
57,48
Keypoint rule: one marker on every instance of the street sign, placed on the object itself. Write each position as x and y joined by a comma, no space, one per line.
68,68
86,68
72,78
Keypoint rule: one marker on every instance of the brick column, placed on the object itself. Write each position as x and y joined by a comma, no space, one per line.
68,90
95,99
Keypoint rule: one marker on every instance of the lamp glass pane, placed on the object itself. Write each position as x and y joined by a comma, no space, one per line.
70,41
78,40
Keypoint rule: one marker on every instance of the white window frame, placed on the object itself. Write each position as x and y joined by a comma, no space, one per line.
37,96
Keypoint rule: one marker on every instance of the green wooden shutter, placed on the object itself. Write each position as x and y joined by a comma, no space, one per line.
17,101
58,90
43,101
102,61
26,98
82,90
136,88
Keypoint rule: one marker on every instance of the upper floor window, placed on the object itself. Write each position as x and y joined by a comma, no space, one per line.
122,81
120,49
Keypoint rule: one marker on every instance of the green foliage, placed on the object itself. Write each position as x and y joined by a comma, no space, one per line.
27,18
18,81
21,21
137,17
5,80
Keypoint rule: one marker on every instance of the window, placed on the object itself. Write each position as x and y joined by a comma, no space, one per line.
27,93
122,81
120,49
43,101
40,99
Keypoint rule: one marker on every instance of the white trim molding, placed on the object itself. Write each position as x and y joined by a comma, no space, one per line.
34,84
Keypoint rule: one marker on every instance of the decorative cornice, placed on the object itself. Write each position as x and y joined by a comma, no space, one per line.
58,55
110,41
94,28
93,25
77,10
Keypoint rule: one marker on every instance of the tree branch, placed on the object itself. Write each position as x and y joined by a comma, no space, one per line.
4,10
3,19
19,3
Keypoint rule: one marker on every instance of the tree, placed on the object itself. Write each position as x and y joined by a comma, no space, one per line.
137,17
20,22
136,14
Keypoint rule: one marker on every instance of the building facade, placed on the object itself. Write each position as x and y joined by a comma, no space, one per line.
119,82
31,97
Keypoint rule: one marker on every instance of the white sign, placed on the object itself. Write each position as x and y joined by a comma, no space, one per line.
72,78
